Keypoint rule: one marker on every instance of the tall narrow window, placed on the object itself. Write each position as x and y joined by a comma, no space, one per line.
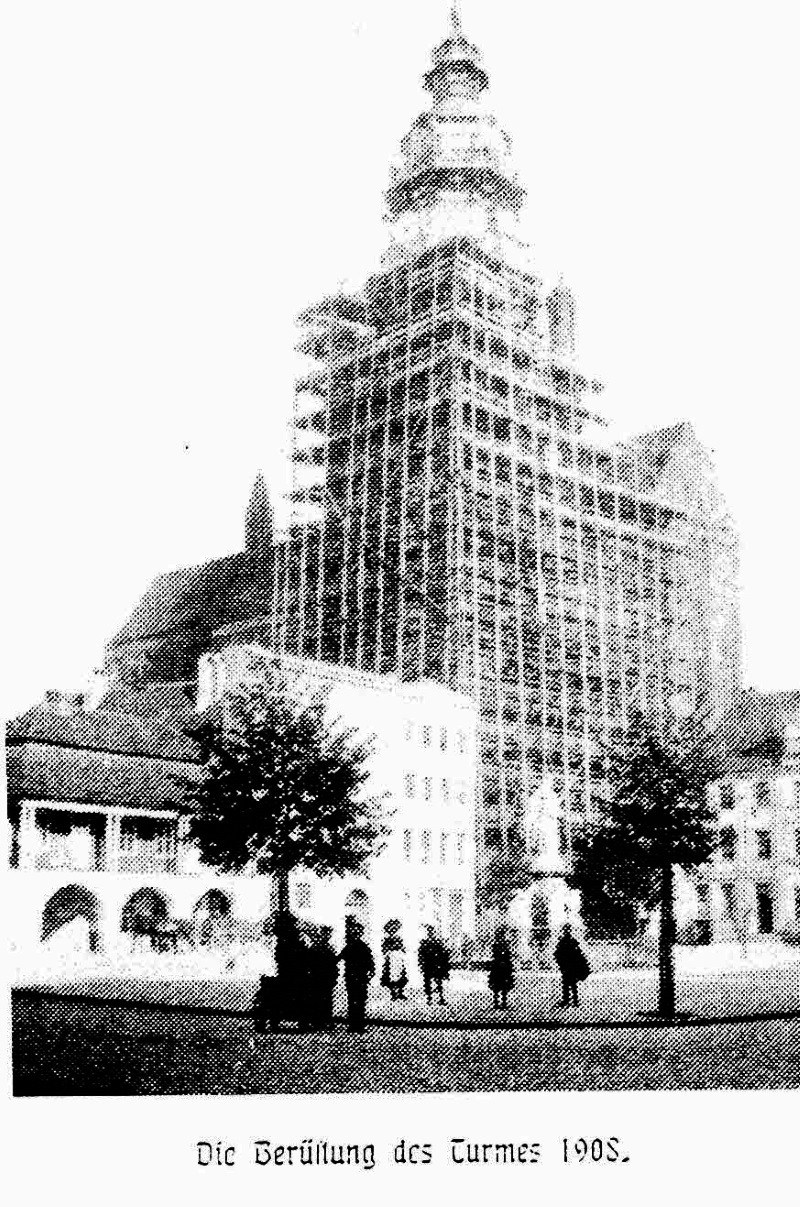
727,842
764,909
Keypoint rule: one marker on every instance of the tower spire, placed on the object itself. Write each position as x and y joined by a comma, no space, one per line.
454,166
258,520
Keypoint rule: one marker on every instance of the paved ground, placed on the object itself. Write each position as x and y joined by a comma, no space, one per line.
605,998
69,1048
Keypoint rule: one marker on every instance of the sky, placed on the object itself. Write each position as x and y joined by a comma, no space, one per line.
182,178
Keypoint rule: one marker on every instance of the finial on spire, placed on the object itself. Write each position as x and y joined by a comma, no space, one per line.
455,18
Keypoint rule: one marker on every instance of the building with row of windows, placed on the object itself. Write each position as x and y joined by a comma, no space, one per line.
751,889
101,860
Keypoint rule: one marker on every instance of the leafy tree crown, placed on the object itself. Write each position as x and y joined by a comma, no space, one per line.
280,785
657,815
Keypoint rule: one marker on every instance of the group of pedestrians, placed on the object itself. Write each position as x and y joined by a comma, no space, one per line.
307,971
569,957
433,959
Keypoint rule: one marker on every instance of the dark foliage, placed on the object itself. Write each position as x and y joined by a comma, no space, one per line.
279,786
657,815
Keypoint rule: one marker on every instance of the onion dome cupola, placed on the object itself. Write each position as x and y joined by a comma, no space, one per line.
455,151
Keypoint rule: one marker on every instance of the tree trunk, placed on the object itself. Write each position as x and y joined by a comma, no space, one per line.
282,879
666,939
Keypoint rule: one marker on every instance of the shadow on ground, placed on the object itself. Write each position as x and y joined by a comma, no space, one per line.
64,1048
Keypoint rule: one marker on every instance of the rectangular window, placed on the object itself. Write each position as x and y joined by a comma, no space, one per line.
302,896
492,838
797,904
460,848
761,794
426,846
407,844
427,735
726,796
727,842
462,742
408,780
443,841
456,913
428,787
796,793
409,730
443,739
764,909
797,844
763,844
729,901
445,792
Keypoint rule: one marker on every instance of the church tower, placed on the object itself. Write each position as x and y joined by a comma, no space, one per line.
459,512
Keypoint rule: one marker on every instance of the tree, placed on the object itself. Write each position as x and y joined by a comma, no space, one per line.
281,787
657,818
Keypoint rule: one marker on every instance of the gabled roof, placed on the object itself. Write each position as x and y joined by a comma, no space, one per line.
101,730
751,734
101,757
170,702
176,600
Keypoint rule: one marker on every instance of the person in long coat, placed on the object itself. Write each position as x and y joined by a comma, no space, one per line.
501,971
359,969
291,960
434,962
323,973
572,964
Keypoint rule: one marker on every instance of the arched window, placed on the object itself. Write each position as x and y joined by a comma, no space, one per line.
72,904
144,910
214,903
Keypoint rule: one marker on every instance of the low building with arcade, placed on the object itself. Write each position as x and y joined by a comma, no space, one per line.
105,876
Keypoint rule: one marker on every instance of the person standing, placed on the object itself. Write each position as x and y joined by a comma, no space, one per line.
291,960
572,964
395,973
359,969
434,963
323,973
501,971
